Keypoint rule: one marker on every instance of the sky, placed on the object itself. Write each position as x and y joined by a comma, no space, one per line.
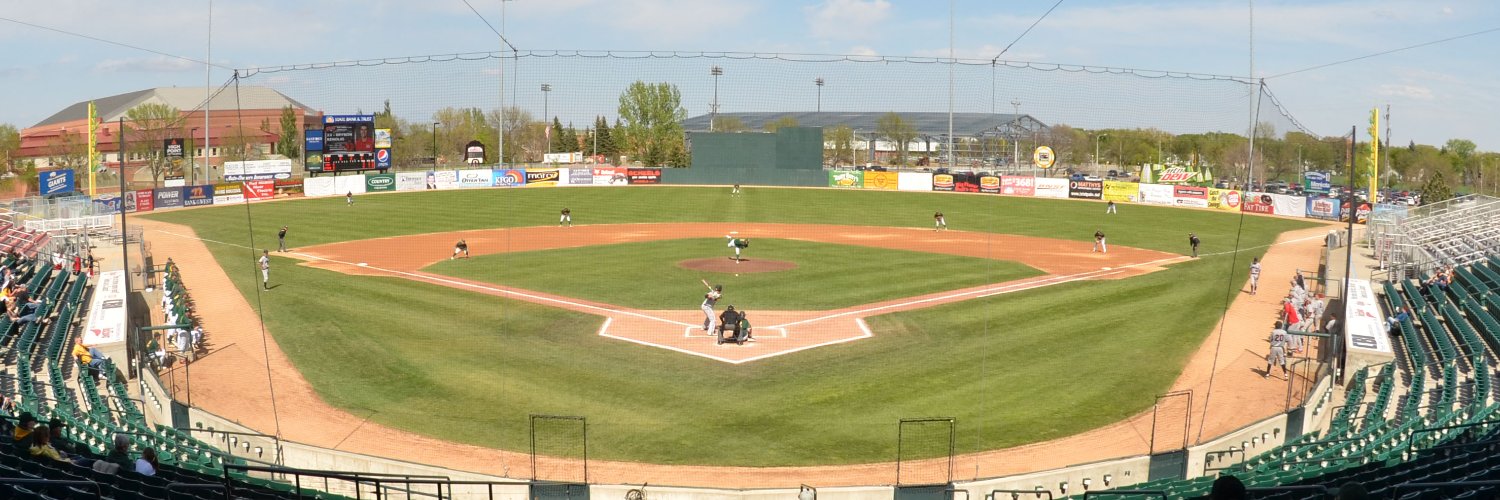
1449,90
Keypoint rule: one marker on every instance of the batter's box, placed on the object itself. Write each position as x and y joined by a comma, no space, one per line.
695,331
782,332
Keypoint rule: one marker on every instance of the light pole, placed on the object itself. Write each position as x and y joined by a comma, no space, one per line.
435,126
1015,137
713,110
192,136
819,82
547,91
1096,151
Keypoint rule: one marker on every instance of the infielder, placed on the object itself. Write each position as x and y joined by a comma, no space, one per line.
1193,242
737,244
1099,244
567,218
938,222
735,191
265,269
461,246
1110,208
349,199
709,299
281,238
1254,275
1278,352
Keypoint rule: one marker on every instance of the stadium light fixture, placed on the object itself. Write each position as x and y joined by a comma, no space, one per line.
819,82
713,115
546,91
1108,478
1087,482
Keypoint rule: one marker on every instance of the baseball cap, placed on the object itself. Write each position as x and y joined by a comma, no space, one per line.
27,417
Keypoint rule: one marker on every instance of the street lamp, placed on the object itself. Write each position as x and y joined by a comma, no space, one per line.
819,81
435,126
1015,137
713,111
546,91
1096,151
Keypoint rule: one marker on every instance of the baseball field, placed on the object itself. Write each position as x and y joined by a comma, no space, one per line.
1007,321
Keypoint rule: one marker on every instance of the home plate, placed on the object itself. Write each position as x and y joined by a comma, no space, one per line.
363,264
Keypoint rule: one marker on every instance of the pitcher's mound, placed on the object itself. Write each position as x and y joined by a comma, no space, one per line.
727,265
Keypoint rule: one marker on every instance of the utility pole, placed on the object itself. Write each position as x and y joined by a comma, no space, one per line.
713,115
1015,137
546,113
434,143
819,82
207,92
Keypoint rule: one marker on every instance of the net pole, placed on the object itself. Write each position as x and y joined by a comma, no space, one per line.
208,69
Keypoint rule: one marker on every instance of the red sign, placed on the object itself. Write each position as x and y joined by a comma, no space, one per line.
260,190
1259,203
1189,192
1018,185
145,200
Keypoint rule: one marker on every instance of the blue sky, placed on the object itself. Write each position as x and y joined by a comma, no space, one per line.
1436,93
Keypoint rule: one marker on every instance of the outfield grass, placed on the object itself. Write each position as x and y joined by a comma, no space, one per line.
1014,368
827,276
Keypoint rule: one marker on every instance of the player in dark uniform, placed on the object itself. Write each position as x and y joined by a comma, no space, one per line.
567,218
281,238
737,244
1193,242
460,247
1099,244
938,222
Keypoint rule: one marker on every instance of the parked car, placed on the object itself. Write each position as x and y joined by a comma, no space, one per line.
1222,184
1114,173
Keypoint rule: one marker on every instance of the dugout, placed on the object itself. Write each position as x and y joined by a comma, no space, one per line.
790,156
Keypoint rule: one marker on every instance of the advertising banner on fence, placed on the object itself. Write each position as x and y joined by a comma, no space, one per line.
108,204
510,178
476,178
55,181
942,182
225,194
1316,182
989,184
380,182
1259,203
145,200
542,177
345,184
1397,211
443,179
580,177
168,197
1156,194
1190,196
1361,212
611,176
1365,328
288,186
1122,191
1323,208
197,196
966,183
1224,199
128,201
411,181
1017,185
1050,187
846,179
645,176
107,310
257,170
319,186
888,181
1275,204
914,181
1085,190
259,190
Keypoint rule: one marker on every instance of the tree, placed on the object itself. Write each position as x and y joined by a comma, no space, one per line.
1461,155
653,115
785,121
150,124
896,130
729,124
570,139
1436,189
838,145
605,141
289,138
559,138
10,142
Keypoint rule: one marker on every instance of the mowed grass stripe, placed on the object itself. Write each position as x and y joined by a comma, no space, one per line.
646,275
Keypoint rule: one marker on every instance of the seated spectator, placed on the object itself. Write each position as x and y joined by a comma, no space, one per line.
89,357
62,444
156,354
1353,491
146,465
41,445
21,435
1227,488
119,454
23,307
1393,323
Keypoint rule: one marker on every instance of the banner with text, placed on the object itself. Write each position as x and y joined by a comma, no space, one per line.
1051,187
1122,191
1323,208
887,181
229,193
259,190
411,181
443,179
380,182
1085,190
989,184
846,179
645,175
611,176
145,200
168,197
257,170
1156,194
1190,196
197,196
580,177
1224,199
942,182
476,178
510,178
1018,185
542,177
107,310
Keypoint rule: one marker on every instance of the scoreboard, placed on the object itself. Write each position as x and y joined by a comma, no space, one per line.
346,143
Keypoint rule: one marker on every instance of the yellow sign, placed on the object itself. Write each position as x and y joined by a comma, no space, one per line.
1043,157
1374,154
94,148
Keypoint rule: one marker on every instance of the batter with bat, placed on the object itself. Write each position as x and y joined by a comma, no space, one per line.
709,299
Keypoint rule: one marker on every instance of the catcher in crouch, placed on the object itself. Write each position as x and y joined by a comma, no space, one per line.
737,244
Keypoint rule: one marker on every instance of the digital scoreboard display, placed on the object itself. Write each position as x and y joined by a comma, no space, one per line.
348,143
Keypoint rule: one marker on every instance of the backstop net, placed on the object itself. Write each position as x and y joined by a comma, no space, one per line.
559,448
924,451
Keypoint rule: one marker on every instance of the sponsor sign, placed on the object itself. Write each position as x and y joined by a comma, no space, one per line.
380,182
848,179
562,158
580,177
108,204
174,181
1086,190
1017,185
510,178
1323,208
914,181
942,182
1122,191
1043,157
1049,187
476,178
888,181
1316,182
989,184
172,148
383,159
260,190
966,183
257,170
145,200
1224,199
446,179
382,138
287,186
197,195
474,153
645,176
168,197
1156,194
411,181
129,201
225,194
611,176
1173,175
53,182
320,186
1259,203
1364,327
1190,196
1398,211
543,177
313,162
107,310
312,140
1361,212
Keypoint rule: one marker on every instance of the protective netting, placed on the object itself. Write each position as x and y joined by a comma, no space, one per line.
559,449
925,451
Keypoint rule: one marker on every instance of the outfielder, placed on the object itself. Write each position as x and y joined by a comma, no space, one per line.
1254,275
265,269
1099,244
709,299
1110,208
735,191
737,244
1278,352
349,199
461,246
567,218
938,222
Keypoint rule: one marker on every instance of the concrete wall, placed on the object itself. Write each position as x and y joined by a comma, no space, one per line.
1121,472
611,492
746,176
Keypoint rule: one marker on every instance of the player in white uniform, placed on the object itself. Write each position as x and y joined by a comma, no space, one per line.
566,218
265,269
1254,275
1277,355
737,244
939,222
709,299
1099,244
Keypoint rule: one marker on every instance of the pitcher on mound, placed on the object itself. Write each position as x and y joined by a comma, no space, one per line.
737,244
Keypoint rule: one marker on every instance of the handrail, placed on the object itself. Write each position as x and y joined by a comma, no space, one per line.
1449,484
377,482
58,482
1088,494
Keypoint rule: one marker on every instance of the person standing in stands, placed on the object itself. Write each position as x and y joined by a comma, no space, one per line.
281,239
265,269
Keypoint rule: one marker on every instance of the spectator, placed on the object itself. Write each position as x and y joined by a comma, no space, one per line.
1352,491
1227,488
120,453
41,445
90,357
146,465
21,435
59,442
1392,323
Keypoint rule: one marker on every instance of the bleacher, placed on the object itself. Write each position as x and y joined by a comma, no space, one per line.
17,239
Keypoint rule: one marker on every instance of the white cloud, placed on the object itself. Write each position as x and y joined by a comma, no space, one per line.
1405,90
845,19
861,50
155,64
1447,11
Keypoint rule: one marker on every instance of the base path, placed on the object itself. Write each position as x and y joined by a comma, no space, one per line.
231,382
776,332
